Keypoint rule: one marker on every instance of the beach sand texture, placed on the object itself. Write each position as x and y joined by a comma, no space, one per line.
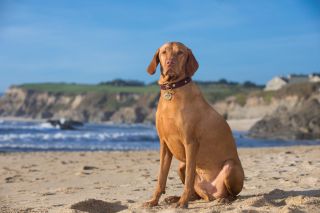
277,180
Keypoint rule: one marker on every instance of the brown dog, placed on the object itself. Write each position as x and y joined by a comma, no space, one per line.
193,132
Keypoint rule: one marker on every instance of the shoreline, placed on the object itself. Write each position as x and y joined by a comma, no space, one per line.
281,179
235,124
21,119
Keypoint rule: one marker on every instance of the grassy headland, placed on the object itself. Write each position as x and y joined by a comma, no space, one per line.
213,90
134,102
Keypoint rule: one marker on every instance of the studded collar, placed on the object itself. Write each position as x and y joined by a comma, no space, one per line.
175,85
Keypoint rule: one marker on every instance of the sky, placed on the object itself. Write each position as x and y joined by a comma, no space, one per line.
94,41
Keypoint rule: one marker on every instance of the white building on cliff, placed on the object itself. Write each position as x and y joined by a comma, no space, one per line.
278,82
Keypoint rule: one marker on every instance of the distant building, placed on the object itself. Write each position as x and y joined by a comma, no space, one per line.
314,77
293,78
278,82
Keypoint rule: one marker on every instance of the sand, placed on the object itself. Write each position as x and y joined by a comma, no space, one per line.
242,124
277,180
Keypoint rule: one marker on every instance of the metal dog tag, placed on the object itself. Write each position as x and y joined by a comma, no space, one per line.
167,95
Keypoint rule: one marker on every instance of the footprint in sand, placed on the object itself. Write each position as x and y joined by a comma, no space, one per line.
86,170
33,170
28,166
48,193
89,167
69,190
291,209
13,179
96,206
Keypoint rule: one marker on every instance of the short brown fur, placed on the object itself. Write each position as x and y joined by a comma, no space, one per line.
194,133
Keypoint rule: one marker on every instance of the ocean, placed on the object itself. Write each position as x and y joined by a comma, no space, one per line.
23,136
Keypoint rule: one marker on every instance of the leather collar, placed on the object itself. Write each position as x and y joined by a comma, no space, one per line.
175,84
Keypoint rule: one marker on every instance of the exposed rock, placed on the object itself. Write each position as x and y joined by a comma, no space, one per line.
64,124
88,107
130,107
254,107
301,122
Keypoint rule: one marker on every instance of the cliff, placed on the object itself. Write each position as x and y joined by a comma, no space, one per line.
139,105
300,121
88,107
98,103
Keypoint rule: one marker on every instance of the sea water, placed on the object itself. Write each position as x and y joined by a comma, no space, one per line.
36,136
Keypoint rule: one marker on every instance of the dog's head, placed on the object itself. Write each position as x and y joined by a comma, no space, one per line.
176,60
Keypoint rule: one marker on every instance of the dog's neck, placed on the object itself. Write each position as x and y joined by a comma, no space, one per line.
176,90
175,85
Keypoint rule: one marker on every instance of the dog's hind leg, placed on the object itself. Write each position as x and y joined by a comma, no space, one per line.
229,181
201,188
234,177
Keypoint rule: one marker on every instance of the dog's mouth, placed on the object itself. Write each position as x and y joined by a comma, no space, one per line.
170,75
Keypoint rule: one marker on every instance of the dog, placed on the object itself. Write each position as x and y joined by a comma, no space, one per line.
193,132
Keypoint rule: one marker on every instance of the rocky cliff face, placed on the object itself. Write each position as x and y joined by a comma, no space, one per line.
254,106
90,107
115,107
301,122
139,107
298,121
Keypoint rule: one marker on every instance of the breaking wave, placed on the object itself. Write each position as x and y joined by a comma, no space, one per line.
32,136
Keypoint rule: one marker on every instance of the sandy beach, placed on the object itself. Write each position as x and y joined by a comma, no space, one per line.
242,124
277,180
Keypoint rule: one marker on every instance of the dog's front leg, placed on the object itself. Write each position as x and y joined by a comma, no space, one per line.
165,162
191,148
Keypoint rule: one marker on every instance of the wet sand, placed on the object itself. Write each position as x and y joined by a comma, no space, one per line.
277,180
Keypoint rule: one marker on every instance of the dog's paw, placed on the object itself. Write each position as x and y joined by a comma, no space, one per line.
150,203
226,200
182,205
171,199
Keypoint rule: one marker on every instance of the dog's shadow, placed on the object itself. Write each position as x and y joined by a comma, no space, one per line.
275,198
279,197
98,206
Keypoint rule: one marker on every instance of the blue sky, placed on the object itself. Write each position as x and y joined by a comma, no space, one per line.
94,41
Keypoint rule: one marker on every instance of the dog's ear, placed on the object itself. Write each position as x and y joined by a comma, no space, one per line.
154,63
191,64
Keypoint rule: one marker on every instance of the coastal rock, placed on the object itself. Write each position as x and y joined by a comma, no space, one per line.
64,124
87,107
254,107
137,107
301,122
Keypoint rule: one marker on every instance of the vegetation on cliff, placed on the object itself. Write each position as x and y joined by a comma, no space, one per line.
135,102
117,101
213,90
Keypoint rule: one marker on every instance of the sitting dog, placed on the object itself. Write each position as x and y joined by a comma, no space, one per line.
193,132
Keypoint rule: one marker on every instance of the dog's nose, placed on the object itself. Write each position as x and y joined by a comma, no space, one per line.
170,62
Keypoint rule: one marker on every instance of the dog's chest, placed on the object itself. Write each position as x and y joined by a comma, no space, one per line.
172,136
170,130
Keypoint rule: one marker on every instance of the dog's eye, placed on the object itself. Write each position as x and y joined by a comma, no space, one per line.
180,52
164,52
